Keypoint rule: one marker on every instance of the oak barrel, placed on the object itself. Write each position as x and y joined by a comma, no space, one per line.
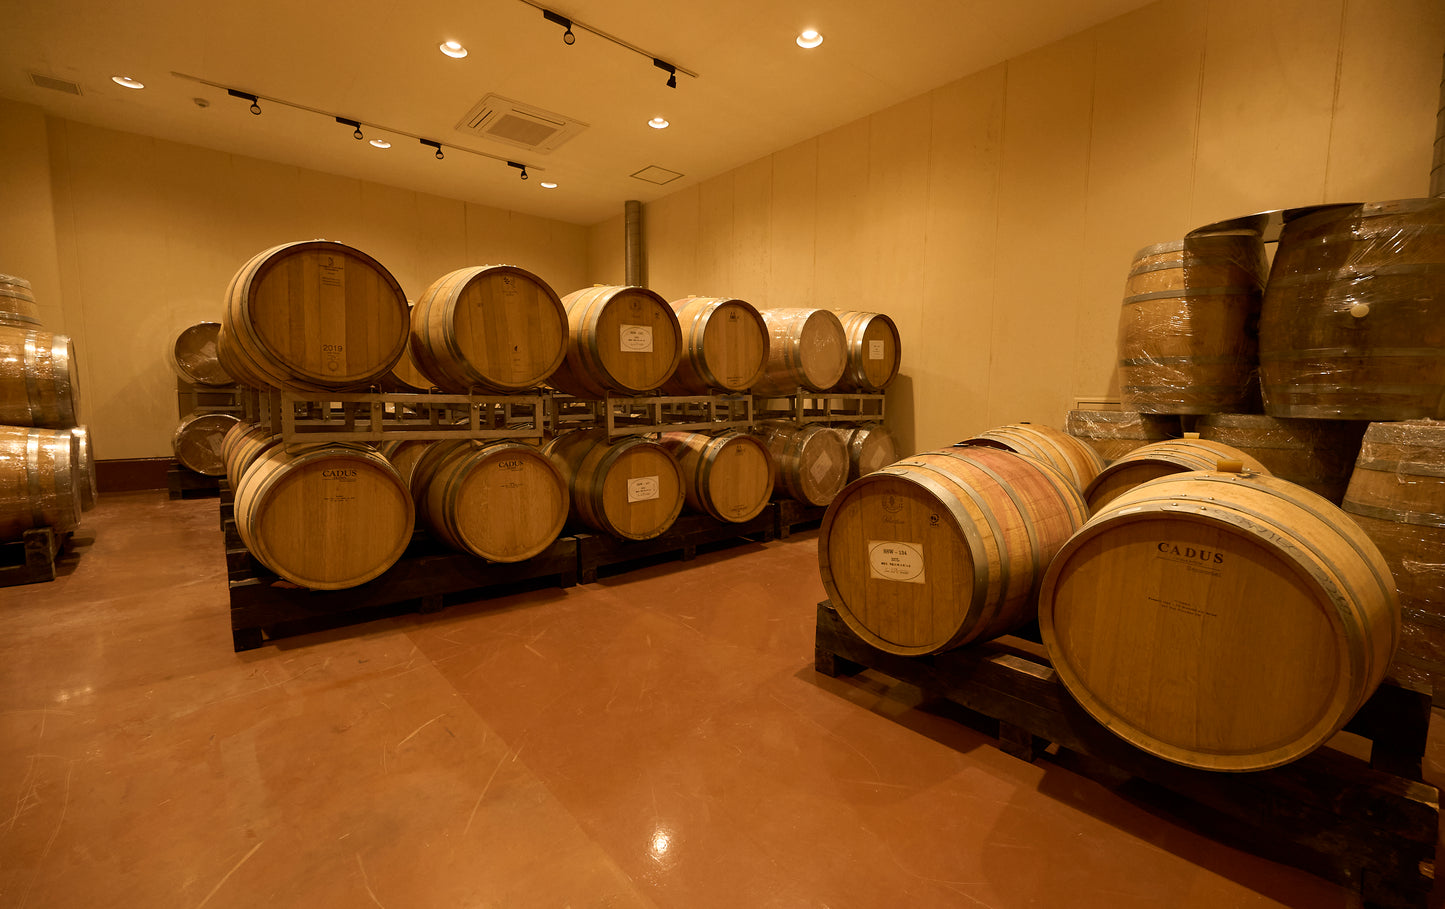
724,346
38,480
1160,459
197,442
807,351
875,351
620,340
1114,434
1316,454
728,476
240,447
312,316
1187,341
499,328
630,488
39,384
1075,459
17,303
1351,327
194,357
1220,620
811,460
871,446
404,455
85,470
328,517
945,547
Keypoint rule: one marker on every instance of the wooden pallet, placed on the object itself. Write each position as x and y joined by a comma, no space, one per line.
184,483
31,559
795,515
596,552
1370,825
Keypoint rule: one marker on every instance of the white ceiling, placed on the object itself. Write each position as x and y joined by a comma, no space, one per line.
378,61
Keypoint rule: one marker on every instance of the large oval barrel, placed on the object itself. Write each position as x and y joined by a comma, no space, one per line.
197,442
1160,459
871,446
620,340
313,316
194,356
328,517
1351,327
728,476
630,488
875,351
1316,454
495,327
1114,434
39,385
724,346
38,480
811,460
945,547
1073,458
17,303
1219,620
807,351
1187,329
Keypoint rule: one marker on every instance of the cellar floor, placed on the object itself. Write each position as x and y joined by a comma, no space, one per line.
658,738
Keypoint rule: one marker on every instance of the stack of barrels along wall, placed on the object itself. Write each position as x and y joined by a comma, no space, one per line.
196,442
47,472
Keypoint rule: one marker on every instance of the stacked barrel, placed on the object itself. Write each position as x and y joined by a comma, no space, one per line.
47,474
209,402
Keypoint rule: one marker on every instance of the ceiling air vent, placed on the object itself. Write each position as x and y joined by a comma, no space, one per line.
50,82
658,175
504,120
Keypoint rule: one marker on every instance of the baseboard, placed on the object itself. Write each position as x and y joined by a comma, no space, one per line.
130,474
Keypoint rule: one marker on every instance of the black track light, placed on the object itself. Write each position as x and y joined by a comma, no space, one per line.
667,68
353,124
435,145
521,167
567,36
246,96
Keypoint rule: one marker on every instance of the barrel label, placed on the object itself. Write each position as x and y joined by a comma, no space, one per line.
640,489
890,560
333,271
875,350
822,466
637,338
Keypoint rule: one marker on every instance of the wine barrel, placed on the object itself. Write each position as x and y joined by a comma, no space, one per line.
1075,459
38,381
241,445
874,351
194,357
807,351
1351,327
85,471
1187,327
313,316
1160,459
197,442
329,517
630,488
1219,620
17,303
1114,434
620,340
724,346
1316,454
38,488
404,454
495,327
503,501
728,476
811,460
871,447
945,547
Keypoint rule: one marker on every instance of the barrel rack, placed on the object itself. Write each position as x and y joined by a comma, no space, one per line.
1370,825
31,559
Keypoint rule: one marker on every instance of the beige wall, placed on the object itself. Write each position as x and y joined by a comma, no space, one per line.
147,234
995,218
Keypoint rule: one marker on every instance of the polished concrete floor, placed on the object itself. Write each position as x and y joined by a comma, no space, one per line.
657,739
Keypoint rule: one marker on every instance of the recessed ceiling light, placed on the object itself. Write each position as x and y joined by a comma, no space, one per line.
381,143
127,81
454,49
657,123
810,38
546,185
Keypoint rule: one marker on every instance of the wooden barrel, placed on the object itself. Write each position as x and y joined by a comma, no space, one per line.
38,488
503,501
17,303
630,488
313,316
329,517
724,346
945,547
1160,459
1187,326
241,445
1397,496
495,327
1316,454
1075,459
1219,620
194,357
623,340
807,351
1351,327
871,447
728,476
874,351
39,385
404,454
85,471
197,442
1114,434
811,460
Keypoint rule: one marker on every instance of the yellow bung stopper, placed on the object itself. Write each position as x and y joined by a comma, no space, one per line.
1191,435
1229,466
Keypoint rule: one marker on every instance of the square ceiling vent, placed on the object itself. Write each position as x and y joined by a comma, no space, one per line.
658,175
514,123
39,80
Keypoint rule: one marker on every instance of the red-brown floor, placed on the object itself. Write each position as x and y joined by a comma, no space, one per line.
658,739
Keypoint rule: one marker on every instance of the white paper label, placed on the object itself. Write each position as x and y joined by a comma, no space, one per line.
637,338
640,489
893,561
822,466
875,350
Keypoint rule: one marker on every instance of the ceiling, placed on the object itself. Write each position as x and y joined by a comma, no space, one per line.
378,62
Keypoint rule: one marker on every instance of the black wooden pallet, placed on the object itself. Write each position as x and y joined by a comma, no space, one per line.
1369,825
793,514
184,483
31,559
690,531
